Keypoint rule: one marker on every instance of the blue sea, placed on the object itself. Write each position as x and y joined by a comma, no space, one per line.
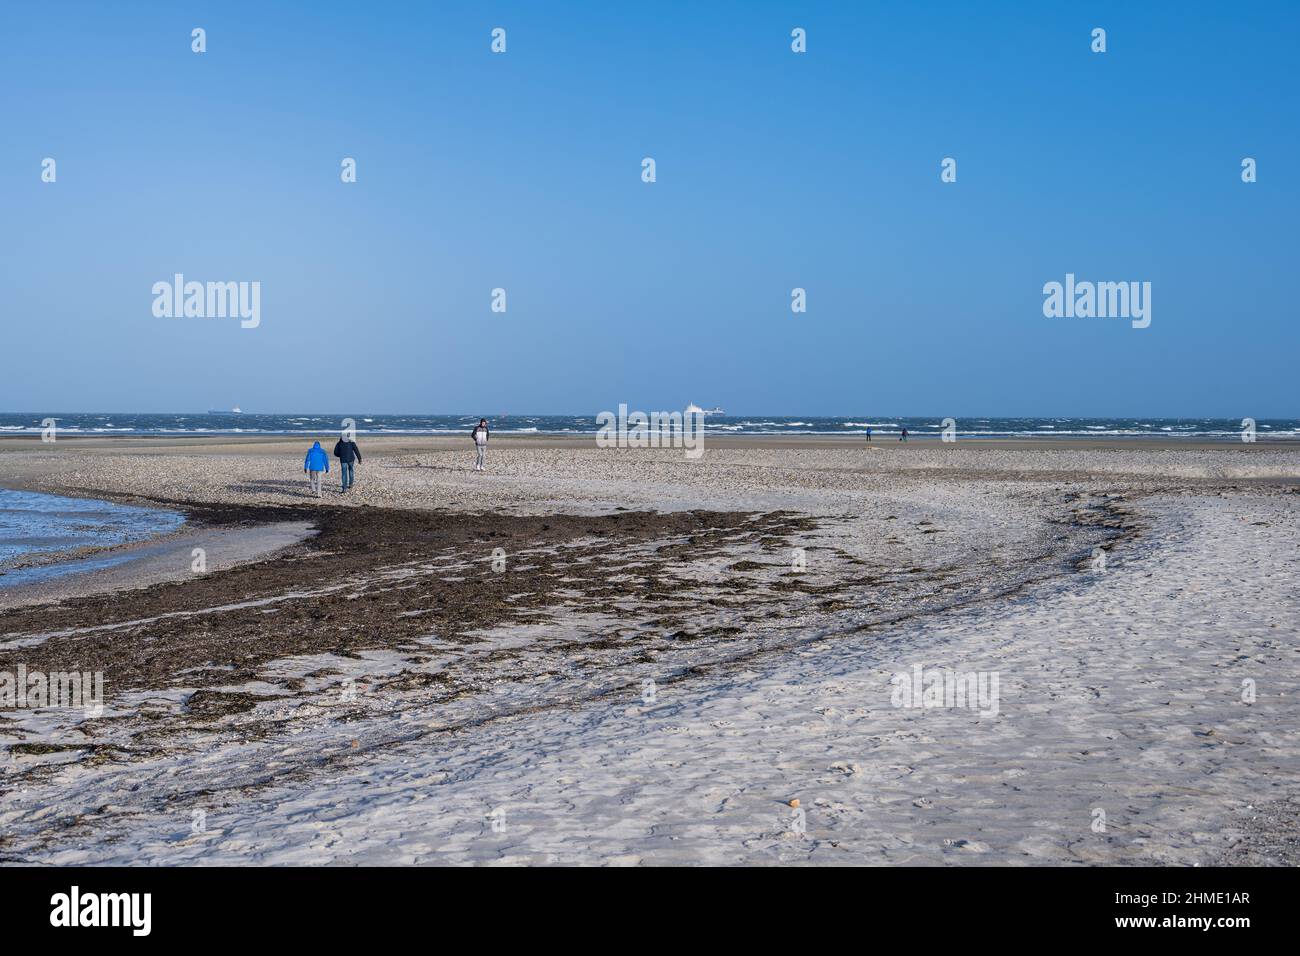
254,423
32,523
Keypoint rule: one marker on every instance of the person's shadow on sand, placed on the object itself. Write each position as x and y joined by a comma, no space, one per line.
420,467
299,489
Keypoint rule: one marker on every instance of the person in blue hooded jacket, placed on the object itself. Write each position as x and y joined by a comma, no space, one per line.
315,464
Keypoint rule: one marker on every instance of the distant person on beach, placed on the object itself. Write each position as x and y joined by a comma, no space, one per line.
315,464
349,455
480,436
903,436
868,433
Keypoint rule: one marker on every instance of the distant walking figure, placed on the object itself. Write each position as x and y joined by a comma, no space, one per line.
480,436
868,434
903,436
315,464
349,456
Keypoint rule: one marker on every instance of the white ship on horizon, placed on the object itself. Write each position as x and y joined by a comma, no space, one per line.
693,409
221,411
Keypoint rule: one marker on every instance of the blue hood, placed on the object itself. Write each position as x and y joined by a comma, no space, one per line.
316,459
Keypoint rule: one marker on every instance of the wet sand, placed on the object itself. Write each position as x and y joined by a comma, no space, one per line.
172,557
640,657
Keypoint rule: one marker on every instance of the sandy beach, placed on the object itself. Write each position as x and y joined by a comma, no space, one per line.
723,435
623,656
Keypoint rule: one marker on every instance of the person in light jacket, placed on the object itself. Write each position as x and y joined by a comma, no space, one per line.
480,436
315,464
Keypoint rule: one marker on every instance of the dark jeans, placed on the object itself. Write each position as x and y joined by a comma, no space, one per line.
345,471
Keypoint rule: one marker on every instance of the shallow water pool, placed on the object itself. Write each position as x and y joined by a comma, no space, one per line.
32,523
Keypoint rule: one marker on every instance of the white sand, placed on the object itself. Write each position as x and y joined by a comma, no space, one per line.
1120,691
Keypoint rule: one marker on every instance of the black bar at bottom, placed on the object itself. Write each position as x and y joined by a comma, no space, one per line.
335,906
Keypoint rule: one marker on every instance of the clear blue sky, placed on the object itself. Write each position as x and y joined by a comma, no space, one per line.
775,170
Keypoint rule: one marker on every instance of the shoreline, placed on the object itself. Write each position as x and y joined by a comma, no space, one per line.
167,556
239,443
140,564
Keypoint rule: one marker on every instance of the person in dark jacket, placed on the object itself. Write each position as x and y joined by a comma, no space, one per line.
316,463
480,436
349,456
